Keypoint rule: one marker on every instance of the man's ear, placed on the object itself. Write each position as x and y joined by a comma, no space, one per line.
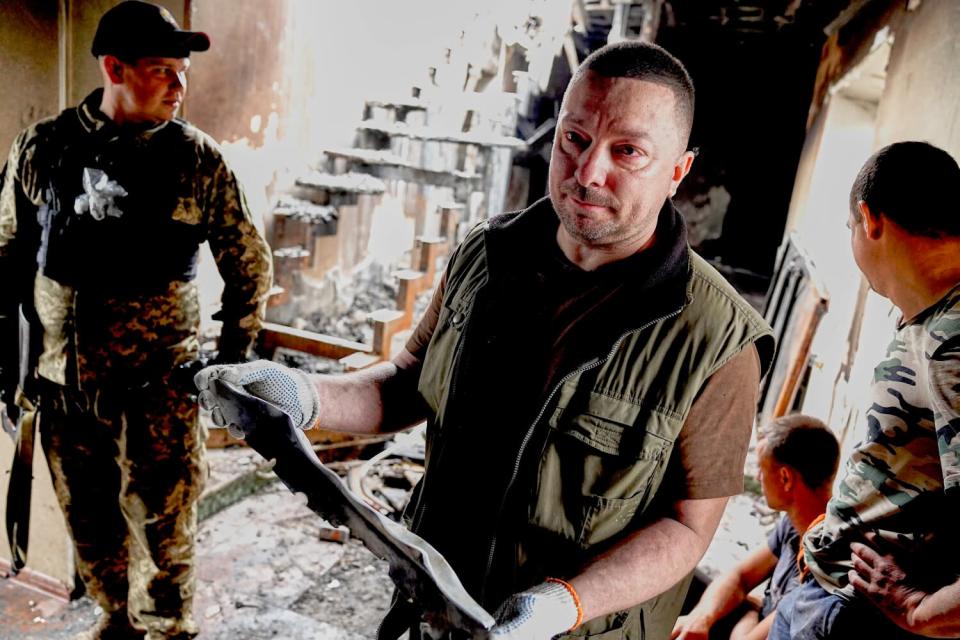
786,477
871,221
680,171
113,68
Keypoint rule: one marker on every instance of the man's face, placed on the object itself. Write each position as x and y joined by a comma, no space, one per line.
153,88
617,156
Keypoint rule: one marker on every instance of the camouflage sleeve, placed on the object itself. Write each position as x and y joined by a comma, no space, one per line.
944,380
243,259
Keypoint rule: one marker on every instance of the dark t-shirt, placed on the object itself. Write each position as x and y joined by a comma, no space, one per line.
783,542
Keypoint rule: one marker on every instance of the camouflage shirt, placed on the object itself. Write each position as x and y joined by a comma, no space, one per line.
123,306
902,481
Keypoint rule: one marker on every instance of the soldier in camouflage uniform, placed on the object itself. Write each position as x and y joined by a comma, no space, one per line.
887,533
102,211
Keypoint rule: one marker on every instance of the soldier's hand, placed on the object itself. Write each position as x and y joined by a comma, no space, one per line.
885,583
290,390
539,613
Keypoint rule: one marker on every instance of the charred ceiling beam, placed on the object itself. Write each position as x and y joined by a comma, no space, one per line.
751,19
852,9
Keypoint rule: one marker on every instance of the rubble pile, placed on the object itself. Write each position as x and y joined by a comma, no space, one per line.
346,302
307,362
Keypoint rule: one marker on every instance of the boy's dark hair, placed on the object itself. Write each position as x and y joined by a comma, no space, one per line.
806,445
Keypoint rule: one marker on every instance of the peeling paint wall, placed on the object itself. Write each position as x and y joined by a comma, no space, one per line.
922,97
241,80
28,65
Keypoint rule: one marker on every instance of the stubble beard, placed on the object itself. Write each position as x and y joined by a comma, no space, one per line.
584,227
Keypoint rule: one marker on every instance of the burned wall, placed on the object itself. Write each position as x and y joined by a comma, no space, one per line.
239,82
753,95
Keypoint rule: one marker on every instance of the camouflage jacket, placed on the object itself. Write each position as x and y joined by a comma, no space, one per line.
100,228
902,480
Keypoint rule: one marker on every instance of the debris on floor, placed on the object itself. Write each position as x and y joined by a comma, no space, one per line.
265,571
268,567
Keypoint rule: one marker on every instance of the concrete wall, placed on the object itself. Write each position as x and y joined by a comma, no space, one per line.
28,65
922,96
244,69
50,552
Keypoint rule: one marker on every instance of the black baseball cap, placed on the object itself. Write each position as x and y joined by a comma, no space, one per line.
135,29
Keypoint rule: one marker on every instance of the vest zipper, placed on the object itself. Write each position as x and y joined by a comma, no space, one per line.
532,428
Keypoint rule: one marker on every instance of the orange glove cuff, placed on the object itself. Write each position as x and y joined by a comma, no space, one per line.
576,600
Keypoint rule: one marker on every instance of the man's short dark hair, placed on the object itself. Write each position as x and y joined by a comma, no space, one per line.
913,184
806,445
645,61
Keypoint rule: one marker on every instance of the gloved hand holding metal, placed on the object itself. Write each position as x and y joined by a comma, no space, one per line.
539,613
290,390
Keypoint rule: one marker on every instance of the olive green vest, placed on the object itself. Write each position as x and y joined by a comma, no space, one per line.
611,425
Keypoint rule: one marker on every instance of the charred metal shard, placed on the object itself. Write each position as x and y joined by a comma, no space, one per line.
421,574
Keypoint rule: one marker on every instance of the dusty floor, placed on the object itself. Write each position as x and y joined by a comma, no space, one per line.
263,572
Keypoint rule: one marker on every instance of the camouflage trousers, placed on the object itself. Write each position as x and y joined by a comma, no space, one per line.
128,468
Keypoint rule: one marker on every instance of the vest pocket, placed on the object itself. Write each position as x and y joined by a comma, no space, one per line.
598,471
440,360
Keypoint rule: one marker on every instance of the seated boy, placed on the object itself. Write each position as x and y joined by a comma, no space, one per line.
798,457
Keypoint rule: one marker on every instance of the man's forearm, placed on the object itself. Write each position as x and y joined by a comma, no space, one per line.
650,561
380,399
938,614
721,597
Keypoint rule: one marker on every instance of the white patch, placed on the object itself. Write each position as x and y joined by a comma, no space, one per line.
99,197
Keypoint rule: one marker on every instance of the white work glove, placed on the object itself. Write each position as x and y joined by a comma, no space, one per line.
289,390
539,613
